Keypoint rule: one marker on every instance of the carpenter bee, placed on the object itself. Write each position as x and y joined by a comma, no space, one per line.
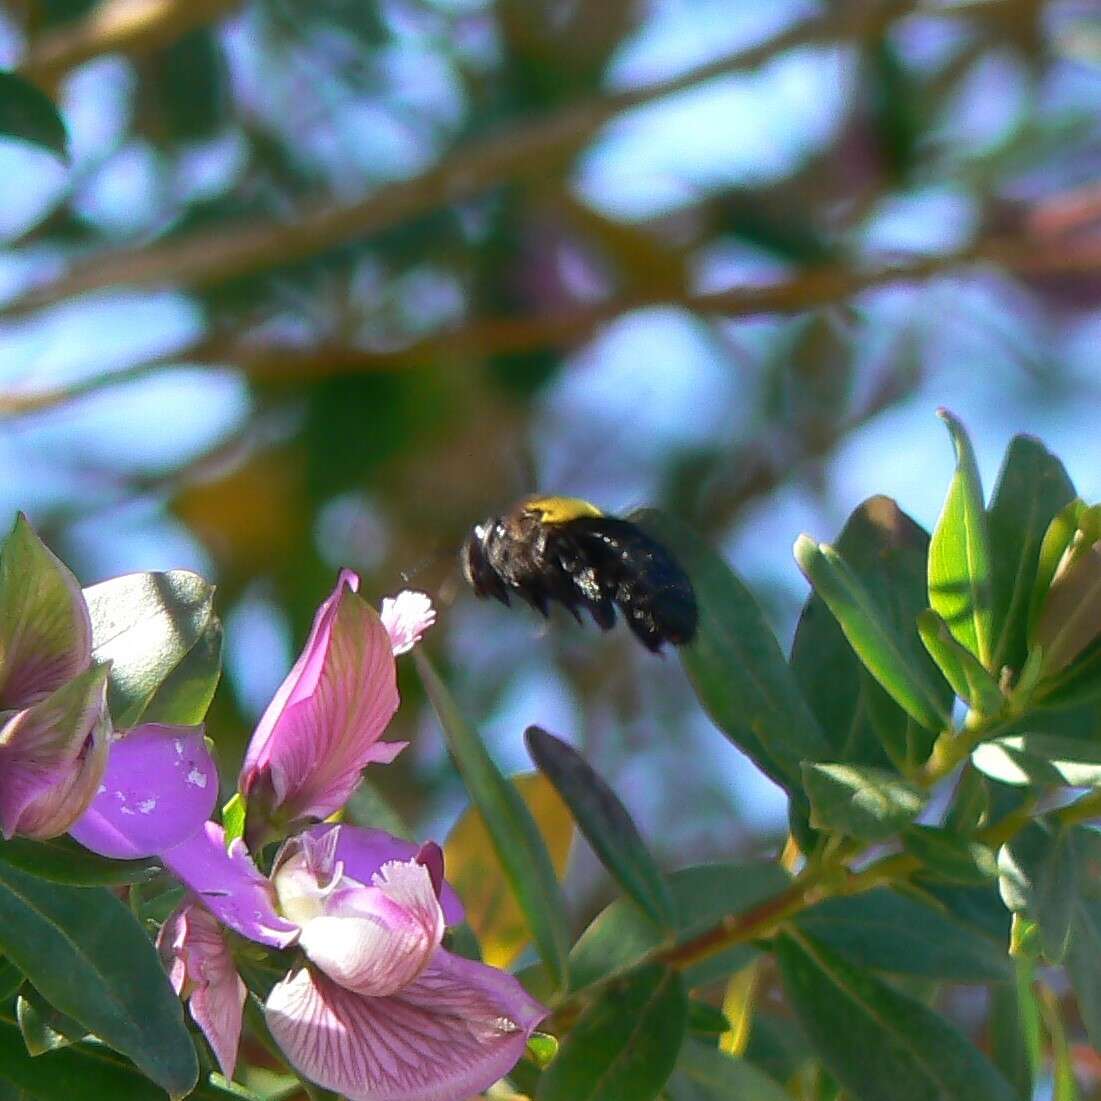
564,549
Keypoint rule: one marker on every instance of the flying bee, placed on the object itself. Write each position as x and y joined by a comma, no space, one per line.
564,549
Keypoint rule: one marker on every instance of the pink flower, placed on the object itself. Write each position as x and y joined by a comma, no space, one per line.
323,726
53,704
377,1010
406,617
201,970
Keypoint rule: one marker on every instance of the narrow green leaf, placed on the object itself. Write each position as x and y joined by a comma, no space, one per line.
62,860
889,931
860,801
185,694
1083,958
604,821
887,551
234,816
624,1046
145,623
43,1027
1032,488
880,1044
1071,615
959,553
515,836
889,655
1013,1028
29,115
950,856
1040,760
620,934
1038,877
969,680
1056,541
88,956
706,1074
736,666
11,979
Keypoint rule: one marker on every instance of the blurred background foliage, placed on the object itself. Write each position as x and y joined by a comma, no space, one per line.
327,282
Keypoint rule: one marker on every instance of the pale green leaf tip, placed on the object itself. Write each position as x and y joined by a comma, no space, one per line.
804,550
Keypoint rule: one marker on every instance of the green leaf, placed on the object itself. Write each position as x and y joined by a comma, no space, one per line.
514,834
736,666
62,860
29,115
1038,877
88,956
185,694
1015,1036
705,1019
88,1072
860,801
959,553
1071,615
1057,539
145,624
889,931
703,894
604,821
1083,957
887,552
880,1044
11,979
624,1046
1041,760
969,680
43,1027
706,1074
234,816
891,656
1032,488
948,856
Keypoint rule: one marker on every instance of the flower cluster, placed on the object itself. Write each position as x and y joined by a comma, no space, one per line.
372,1005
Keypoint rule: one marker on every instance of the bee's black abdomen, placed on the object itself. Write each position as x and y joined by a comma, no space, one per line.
584,560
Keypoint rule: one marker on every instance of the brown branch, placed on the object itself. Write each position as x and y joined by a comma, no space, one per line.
816,287
117,26
206,258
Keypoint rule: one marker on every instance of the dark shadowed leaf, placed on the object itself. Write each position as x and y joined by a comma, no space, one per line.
736,665
29,114
514,834
145,624
1016,1039
88,956
43,1027
624,1046
62,860
887,552
707,1074
860,800
88,1072
605,823
947,855
889,931
880,1044
959,553
702,895
1032,487
890,654
1083,958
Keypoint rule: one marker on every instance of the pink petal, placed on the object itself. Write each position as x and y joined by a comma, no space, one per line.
406,617
52,756
160,786
200,966
375,940
45,631
452,1033
229,886
323,729
363,851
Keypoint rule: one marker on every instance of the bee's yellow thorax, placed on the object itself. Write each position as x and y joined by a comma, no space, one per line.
560,510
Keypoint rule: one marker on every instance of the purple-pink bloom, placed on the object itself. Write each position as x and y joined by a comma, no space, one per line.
160,786
201,969
323,726
378,1011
